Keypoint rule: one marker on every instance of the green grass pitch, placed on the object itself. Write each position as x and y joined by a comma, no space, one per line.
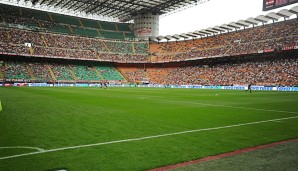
138,128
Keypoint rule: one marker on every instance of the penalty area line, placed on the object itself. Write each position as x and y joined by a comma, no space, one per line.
144,138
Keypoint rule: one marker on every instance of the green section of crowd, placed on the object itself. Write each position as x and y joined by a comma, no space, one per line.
109,73
59,71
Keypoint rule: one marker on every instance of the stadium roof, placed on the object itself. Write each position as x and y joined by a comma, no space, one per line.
121,10
233,25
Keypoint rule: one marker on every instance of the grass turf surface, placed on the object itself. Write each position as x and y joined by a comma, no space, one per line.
280,157
51,118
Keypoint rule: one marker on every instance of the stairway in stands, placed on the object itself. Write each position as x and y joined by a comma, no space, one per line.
1,74
52,73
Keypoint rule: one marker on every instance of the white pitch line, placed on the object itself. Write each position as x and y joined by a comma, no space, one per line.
142,138
24,147
227,106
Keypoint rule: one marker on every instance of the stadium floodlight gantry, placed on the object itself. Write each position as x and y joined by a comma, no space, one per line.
145,13
284,13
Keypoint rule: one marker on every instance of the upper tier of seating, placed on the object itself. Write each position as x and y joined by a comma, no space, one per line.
260,39
267,38
66,46
65,24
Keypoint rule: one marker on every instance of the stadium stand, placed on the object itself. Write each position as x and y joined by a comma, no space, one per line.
64,24
90,23
84,73
62,29
109,73
267,38
33,14
133,72
54,70
60,72
123,27
112,35
39,71
253,40
108,26
263,70
76,39
64,46
16,71
65,19
86,32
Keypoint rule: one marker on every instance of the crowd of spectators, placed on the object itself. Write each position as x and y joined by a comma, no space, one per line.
253,40
141,48
122,57
40,71
37,70
262,70
84,72
258,70
60,71
268,38
8,48
15,70
66,46
109,73
60,45
134,74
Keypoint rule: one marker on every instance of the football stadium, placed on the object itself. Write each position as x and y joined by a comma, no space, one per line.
92,85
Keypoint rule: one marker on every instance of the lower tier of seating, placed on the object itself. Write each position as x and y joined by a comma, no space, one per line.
49,70
259,69
109,72
269,69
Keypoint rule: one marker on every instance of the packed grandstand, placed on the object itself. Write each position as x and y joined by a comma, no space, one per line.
40,47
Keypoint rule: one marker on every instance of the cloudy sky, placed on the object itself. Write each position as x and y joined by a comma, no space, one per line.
210,14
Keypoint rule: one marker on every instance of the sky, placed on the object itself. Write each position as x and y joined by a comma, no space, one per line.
212,13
